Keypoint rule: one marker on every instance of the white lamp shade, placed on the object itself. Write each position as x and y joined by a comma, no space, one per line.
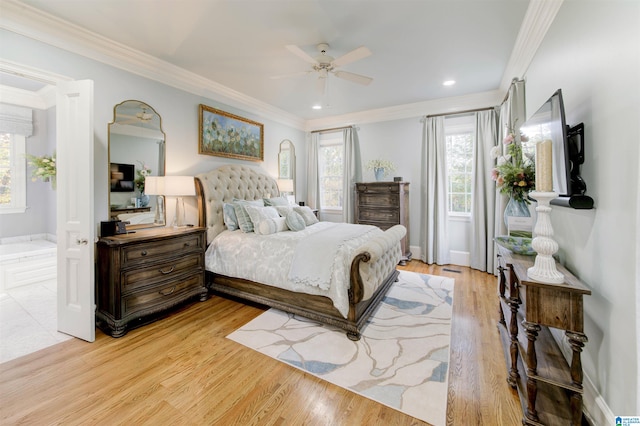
175,186
179,186
154,185
285,185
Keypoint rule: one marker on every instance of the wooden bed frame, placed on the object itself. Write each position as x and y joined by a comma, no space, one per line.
230,182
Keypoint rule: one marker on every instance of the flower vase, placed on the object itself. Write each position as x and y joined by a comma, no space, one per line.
379,173
516,208
143,200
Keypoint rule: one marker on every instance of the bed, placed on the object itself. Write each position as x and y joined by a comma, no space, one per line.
359,276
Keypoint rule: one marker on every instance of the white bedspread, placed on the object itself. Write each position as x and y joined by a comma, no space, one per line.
314,257
267,259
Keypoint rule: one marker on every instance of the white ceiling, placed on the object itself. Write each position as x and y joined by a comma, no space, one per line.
240,44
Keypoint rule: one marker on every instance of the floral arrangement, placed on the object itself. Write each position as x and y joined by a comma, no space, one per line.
141,175
43,167
514,173
385,165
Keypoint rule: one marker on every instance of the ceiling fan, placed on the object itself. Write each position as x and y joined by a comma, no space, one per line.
324,64
142,116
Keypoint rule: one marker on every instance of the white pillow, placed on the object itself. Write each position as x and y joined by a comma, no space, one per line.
260,214
242,216
271,226
307,214
284,210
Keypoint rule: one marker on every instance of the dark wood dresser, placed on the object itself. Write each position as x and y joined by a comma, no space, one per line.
147,272
384,204
549,387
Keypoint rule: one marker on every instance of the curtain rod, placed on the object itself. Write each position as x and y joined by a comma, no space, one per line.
459,112
334,128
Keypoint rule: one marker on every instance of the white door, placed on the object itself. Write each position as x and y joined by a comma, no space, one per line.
75,229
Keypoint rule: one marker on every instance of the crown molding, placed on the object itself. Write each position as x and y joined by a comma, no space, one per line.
435,106
537,20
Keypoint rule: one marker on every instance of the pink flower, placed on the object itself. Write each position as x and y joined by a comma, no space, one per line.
508,139
495,174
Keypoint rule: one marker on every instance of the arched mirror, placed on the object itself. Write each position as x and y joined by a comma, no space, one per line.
287,168
136,159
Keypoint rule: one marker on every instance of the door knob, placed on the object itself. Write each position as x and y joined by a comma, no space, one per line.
82,241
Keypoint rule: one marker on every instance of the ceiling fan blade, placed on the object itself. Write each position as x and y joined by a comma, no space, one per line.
300,53
354,55
290,75
355,78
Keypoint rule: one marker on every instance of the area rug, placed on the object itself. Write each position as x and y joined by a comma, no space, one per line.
401,360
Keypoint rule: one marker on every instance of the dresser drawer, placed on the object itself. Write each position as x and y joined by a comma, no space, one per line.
378,199
142,276
160,297
378,188
384,215
157,250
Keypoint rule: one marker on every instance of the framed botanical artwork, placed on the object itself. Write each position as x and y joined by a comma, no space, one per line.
227,135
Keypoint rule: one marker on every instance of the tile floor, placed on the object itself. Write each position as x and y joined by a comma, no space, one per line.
28,320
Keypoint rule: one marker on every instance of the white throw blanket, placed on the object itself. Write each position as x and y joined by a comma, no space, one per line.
314,256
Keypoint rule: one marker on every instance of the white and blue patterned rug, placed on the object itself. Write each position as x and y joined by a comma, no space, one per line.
401,360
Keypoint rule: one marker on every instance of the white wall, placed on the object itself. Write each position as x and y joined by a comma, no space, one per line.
591,52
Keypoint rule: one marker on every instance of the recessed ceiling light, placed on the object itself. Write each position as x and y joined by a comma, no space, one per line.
317,106
448,82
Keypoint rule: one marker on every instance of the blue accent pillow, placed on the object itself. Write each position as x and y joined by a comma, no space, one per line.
276,201
295,222
230,219
244,220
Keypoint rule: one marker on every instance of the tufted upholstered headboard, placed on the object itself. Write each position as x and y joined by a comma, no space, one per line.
222,185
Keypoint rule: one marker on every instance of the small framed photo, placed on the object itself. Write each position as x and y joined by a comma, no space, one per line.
227,135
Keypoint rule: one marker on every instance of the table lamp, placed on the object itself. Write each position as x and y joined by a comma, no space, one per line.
154,185
179,187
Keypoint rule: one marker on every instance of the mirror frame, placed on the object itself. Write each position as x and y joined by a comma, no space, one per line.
159,199
292,161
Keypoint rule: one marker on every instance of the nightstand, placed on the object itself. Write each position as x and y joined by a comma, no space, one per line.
145,273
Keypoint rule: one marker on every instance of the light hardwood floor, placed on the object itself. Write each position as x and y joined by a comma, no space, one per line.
182,370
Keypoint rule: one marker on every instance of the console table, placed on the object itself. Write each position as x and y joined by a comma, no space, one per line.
550,389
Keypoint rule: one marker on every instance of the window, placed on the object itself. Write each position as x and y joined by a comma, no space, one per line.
12,173
331,170
459,137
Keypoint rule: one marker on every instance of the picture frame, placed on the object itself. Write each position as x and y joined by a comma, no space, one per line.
223,134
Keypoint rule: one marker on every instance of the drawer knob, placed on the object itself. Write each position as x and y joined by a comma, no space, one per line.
167,272
144,252
166,293
187,244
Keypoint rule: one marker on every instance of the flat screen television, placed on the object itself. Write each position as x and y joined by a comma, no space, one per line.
567,145
121,177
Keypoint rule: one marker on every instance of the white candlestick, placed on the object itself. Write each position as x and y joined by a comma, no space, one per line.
544,268
544,162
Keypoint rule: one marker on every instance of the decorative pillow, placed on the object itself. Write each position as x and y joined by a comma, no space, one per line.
284,210
276,201
295,222
271,226
230,219
244,220
307,214
259,214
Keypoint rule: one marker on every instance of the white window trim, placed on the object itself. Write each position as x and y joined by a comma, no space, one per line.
18,177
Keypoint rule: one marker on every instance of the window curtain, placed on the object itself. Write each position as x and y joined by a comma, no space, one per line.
352,172
16,120
512,116
313,181
434,242
483,190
